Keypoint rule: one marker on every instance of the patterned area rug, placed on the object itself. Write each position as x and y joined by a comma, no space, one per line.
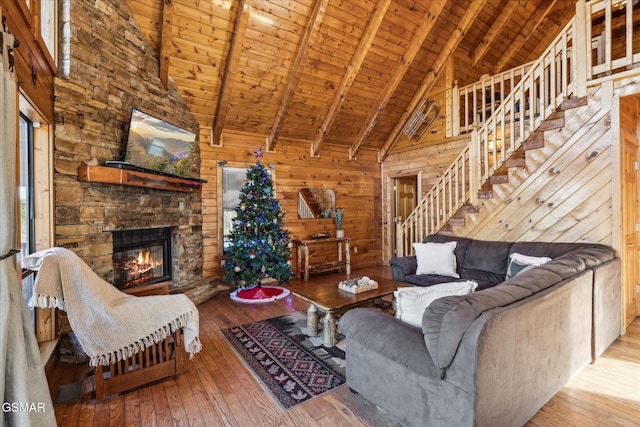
290,365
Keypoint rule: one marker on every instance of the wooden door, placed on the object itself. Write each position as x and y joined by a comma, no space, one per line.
406,199
629,111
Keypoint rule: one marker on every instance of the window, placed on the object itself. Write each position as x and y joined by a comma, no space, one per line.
48,25
35,203
27,208
233,181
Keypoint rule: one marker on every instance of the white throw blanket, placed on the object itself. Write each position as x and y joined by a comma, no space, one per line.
110,324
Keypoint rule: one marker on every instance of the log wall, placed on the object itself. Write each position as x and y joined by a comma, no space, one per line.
356,184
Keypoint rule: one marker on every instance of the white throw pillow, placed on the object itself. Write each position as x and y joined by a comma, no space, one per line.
519,263
411,302
436,258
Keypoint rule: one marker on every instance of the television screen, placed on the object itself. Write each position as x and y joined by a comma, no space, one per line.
159,146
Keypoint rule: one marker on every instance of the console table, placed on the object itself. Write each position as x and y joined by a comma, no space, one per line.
305,266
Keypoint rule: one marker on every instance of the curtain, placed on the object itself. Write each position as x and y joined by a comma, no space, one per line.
24,392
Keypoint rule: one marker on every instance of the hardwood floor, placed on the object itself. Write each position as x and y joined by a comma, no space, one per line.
217,390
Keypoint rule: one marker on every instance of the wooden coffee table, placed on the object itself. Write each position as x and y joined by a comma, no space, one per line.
326,297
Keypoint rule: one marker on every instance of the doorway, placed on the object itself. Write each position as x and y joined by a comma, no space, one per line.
405,196
630,221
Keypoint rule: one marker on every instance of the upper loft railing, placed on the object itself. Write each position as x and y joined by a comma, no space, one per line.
479,100
598,44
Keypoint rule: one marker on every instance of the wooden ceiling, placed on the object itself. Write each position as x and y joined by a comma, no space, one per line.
345,72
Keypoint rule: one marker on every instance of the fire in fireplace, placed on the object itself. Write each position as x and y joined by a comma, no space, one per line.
141,256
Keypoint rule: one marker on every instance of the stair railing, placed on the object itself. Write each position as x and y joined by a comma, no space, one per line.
479,100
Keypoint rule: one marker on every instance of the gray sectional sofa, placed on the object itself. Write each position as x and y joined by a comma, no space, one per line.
495,356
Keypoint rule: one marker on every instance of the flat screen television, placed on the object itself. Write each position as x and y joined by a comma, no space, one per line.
159,146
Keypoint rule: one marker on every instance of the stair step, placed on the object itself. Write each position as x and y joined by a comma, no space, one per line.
457,220
500,177
446,231
535,140
517,160
470,209
482,194
570,103
554,121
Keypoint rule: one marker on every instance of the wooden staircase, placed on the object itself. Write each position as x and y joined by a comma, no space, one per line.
518,159
554,103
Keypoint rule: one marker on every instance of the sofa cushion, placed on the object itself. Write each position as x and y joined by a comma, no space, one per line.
519,263
436,258
388,337
410,302
565,266
433,279
595,255
554,250
462,243
406,264
485,261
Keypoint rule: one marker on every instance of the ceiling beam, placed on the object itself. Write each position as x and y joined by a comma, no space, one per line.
417,40
495,30
352,71
165,40
526,31
230,72
452,43
312,28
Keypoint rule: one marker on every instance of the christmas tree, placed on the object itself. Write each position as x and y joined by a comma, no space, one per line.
259,244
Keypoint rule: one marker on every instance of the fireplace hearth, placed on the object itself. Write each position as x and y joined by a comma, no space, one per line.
141,256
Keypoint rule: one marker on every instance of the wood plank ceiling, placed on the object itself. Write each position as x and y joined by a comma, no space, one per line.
344,72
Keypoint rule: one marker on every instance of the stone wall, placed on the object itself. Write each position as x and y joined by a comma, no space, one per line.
113,69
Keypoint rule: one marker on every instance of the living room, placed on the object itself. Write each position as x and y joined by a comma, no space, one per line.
111,57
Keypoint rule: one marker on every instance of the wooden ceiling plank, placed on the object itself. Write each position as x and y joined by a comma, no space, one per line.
494,31
242,19
432,75
417,40
526,31
352,70
165,40
314,26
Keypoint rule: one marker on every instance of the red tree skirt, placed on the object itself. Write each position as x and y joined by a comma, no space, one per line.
259,294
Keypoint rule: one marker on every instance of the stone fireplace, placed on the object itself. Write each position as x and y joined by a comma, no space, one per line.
92,107
141,257
93,227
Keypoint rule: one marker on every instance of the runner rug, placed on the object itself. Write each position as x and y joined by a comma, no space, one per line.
291,366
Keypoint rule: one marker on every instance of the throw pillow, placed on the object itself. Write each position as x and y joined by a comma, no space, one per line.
436,258
519,263
411,302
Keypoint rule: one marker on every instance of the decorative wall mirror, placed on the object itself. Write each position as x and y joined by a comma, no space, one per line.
316,203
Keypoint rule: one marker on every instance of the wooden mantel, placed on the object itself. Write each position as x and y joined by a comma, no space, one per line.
112,175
